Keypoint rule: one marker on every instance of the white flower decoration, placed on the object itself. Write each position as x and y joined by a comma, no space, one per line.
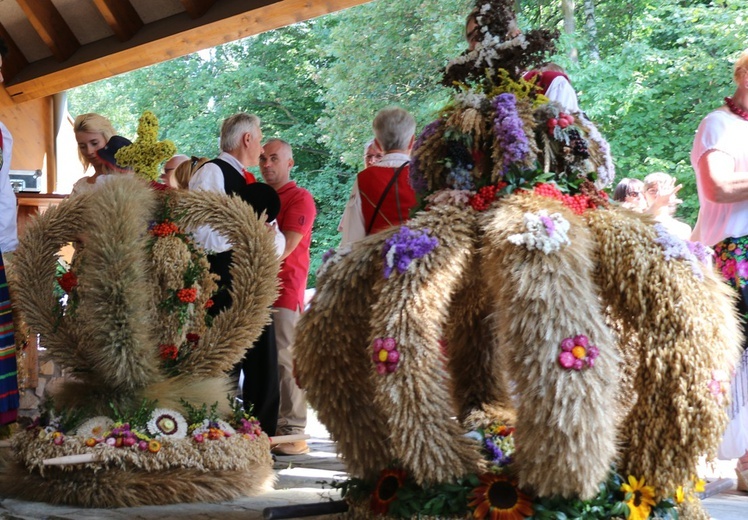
167,423
547,233
95,427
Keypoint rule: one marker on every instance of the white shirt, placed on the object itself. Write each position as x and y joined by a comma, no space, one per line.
83,186
352,224
561,91
723,131
8,202
210,178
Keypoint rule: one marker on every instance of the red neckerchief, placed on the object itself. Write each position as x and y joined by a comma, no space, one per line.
545,79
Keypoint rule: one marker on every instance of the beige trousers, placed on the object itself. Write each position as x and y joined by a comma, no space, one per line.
292,415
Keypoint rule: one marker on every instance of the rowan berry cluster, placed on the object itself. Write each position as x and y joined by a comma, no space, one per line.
577,203
164,229
485,196
187,295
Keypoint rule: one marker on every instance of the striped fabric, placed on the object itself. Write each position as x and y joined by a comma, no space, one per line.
9,400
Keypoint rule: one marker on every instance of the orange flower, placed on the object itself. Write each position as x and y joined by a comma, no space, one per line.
390,481
498,498
154,446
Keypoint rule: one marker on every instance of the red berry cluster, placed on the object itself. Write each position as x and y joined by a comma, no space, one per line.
168,351
485,196
577,203
563,121
187,295
164,229
68,281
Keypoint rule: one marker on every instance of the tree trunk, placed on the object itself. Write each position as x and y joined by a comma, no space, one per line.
591,24
567,7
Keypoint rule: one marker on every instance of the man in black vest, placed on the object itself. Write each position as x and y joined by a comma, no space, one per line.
241,147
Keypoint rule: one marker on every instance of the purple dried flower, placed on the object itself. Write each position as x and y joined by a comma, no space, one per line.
509,130
405,246
328,254
495,454
548,224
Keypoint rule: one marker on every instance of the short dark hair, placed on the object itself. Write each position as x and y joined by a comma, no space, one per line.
3,48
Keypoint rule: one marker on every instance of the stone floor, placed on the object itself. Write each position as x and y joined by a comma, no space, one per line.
304,479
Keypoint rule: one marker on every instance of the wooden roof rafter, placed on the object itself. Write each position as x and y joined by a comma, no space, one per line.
197,8
103,38
121,16
51,27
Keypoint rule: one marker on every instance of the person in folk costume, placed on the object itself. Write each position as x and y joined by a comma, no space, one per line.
9,397
720,159
382,195
554,84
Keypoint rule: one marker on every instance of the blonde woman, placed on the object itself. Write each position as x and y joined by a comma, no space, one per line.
184,172
660,190
92,132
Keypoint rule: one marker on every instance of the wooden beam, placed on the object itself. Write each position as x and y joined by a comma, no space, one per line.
208,35
197,8
121,16
14,61
52,28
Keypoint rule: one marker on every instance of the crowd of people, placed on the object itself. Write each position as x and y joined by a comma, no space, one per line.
381,196
266,373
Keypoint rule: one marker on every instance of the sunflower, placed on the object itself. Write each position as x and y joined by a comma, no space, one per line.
641,498
498,498
385,492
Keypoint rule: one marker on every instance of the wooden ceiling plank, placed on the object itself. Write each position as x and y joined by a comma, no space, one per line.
51,27
14,61
249,23
197,8
121,17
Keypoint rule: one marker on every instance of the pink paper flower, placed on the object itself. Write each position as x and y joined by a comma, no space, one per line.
385,355
566,359
577,353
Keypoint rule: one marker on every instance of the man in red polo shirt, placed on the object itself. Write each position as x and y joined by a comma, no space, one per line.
295,221
382,196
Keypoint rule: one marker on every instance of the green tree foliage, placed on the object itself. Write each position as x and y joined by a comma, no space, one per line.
650,95
664,64
386,53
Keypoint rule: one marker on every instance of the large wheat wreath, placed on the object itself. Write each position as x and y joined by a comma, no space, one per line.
109,347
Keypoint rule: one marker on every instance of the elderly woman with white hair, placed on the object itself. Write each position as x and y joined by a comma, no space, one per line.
720,159
382,195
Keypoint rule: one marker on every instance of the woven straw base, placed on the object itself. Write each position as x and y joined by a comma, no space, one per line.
115,487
